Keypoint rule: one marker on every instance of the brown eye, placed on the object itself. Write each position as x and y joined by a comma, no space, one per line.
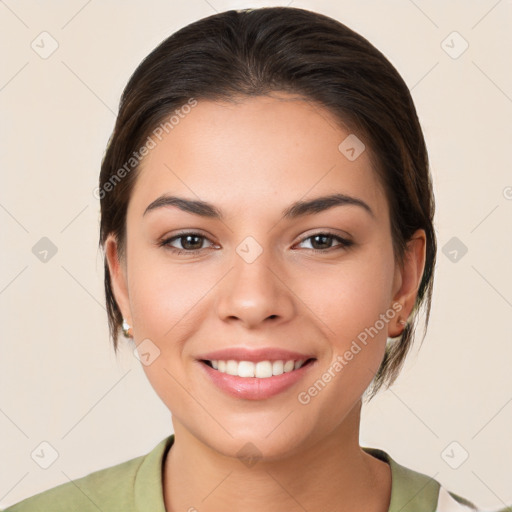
322,242
189,243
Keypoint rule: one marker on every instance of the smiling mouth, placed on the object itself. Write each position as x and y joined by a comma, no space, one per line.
258,370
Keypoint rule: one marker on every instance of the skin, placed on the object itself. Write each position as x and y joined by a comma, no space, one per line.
252,159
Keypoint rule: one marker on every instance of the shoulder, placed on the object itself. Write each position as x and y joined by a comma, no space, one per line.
113,488
412,491
93,492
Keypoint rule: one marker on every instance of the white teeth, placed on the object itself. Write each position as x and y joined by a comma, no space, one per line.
261,369
289,366
246,369
232,367
277,367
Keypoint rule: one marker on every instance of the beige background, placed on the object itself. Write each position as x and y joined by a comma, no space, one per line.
60,380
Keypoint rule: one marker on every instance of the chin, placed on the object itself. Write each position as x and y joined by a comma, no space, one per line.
265,438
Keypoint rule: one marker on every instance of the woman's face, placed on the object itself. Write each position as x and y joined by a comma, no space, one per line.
256,277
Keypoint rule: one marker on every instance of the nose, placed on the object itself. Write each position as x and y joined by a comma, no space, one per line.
256,293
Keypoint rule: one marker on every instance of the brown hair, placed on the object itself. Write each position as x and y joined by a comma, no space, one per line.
255,52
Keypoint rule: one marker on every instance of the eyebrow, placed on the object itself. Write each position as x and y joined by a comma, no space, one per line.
296,209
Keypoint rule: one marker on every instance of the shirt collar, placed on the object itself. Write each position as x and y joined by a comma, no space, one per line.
410,491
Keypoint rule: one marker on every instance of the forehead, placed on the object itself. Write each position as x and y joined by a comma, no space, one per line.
274,149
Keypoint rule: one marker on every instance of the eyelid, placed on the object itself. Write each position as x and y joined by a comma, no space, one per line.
326,231
166,239
344,241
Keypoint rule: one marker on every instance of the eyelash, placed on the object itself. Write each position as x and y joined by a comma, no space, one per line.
343,242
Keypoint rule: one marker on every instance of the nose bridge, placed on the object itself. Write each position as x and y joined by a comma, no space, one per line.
252,290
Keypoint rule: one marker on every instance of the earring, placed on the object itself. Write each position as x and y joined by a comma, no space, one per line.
126,329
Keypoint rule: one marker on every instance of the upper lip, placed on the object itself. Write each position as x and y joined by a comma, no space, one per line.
254,355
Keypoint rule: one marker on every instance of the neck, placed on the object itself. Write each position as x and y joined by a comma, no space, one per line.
333,470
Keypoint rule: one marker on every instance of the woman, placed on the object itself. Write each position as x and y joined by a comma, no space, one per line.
267,222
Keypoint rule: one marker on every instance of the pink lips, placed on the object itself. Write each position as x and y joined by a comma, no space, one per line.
252,388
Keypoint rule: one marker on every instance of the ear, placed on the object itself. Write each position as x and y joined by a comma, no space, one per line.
118,277
407,279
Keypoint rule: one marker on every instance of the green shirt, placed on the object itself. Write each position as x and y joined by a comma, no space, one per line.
136,486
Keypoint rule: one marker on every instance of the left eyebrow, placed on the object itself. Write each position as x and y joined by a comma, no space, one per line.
296,209
320,204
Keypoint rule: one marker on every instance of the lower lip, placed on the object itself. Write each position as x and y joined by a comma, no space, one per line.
253,388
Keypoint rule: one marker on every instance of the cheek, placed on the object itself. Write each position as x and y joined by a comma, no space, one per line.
164,298
166,302
163,293
350,298
354,306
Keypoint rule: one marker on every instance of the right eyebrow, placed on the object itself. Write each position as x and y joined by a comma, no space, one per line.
195,206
